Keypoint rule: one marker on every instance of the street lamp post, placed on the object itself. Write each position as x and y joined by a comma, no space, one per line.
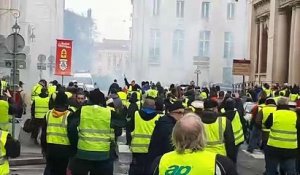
16,29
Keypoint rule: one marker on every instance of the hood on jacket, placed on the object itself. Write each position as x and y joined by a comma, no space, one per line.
58,112
147,113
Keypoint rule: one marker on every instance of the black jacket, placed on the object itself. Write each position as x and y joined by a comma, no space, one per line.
209,117
224,164
281,152
161,138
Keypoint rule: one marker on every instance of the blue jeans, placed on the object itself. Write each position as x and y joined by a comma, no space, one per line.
255,138
287,165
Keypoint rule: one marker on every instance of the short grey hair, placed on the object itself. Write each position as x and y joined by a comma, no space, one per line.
189,133
283,101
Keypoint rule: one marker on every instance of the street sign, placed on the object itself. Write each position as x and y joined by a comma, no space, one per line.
15,42
41,66
10,64
241,67
41,58
19,56
201,61
51,59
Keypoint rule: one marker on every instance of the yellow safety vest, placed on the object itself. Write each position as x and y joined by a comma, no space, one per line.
203,95
4,165
283,133
51,90
95,134
188,163
3,86
57,129
36,91
142,133
293,97
41,107
72,108
283,92
185,102
267,110
123,96
267,91
4,116
215,136
152,93
237,129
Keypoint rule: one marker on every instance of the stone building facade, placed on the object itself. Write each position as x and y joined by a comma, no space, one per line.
274,41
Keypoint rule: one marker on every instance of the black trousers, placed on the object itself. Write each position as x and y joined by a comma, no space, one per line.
83,167
56,166
37,123
139,163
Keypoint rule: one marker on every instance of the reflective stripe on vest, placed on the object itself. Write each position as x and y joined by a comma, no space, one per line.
283,133
142,133
4,166
215,136
267,110
237,129
41,107
188,163
95,133
57,129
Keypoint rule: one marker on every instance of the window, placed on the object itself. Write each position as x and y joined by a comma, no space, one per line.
227,75
180,9
230,11
204,44
154,47
205,10
228,45
156,6
178,40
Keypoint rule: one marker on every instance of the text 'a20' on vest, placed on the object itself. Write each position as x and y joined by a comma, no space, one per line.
188,163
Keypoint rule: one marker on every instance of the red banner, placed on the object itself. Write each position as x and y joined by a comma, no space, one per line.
63,62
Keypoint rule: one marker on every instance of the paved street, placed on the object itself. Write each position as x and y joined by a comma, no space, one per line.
247,164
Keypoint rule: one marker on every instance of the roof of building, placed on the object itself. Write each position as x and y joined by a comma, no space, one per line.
108,44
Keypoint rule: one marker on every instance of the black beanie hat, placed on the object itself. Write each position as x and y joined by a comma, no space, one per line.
229,104
61,99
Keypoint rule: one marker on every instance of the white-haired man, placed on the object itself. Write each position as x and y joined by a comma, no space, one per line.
190,156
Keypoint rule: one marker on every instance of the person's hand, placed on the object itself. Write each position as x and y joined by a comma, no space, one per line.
7,94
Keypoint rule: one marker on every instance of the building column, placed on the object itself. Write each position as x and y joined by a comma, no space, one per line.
290,70
296,43
261,30
254,48
280,69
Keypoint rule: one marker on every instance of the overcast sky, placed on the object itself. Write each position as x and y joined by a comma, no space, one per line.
113,21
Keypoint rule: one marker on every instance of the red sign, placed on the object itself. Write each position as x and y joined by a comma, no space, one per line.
63,57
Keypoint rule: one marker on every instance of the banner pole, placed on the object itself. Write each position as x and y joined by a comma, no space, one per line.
62,80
